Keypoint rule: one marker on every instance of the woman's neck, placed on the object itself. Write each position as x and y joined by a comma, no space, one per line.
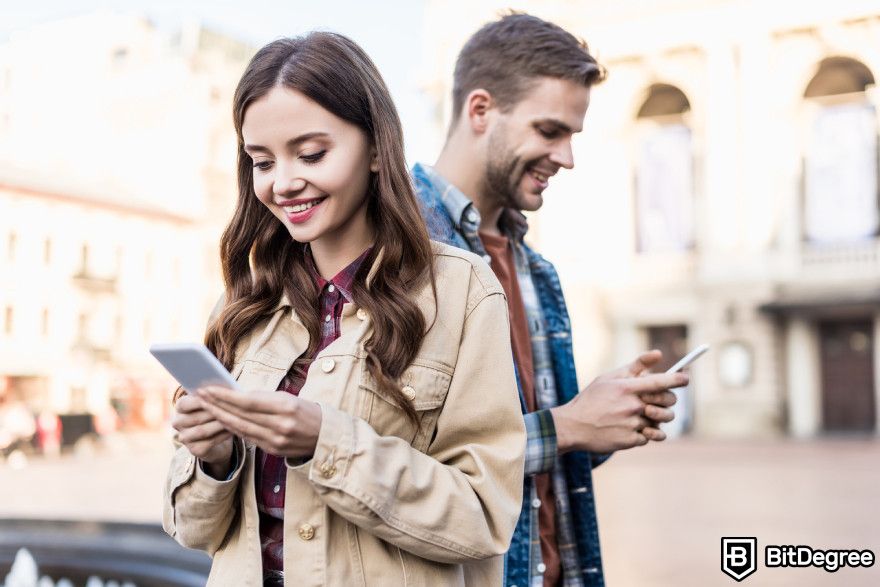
332,255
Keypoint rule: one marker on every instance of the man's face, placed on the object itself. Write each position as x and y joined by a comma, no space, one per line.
530,142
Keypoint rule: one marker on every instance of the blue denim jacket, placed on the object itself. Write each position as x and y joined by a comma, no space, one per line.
578,465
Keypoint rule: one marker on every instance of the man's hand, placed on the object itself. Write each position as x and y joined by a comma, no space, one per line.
619,409
202,435
279,423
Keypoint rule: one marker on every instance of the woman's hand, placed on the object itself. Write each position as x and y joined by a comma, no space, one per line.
279,423
202,435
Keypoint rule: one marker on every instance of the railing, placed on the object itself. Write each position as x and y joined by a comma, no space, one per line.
139,554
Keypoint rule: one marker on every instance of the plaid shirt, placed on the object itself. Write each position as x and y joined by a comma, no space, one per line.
271,477
541,446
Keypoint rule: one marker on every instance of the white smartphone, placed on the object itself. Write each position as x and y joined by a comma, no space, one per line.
193,365
688,358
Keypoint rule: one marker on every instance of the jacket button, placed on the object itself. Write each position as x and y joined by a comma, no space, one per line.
536,503
306,532
409,392
328,470
362,314
542,567
327,365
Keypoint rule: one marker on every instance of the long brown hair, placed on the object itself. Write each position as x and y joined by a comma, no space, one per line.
260,259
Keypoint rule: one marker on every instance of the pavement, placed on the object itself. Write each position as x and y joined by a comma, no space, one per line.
663,508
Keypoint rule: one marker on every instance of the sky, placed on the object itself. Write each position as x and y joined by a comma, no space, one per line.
390,35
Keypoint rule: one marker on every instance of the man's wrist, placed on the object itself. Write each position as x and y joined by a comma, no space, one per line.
563,437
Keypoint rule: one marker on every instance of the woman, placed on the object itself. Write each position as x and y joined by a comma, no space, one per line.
380,441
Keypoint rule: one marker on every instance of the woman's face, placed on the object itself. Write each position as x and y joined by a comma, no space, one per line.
311,169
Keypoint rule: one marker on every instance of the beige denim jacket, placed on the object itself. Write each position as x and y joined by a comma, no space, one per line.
379,504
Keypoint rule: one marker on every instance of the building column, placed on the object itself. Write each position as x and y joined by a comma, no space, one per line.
802,367
877,373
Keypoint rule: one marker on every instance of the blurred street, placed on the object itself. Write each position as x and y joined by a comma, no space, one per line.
662,509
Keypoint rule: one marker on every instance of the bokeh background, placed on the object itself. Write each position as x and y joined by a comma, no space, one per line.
725,192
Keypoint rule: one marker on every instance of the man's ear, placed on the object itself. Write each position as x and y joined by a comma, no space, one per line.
478,107
374,160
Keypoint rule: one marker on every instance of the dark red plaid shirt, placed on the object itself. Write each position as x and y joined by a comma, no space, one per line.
271,471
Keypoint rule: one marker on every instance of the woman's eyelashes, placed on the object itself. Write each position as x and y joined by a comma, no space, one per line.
313,157
307,158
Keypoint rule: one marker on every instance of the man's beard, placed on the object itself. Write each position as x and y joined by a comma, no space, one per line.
504,172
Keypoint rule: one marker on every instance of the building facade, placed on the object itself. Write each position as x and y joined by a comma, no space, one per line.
117,174
728,173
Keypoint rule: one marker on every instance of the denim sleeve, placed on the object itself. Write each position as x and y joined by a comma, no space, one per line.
541,446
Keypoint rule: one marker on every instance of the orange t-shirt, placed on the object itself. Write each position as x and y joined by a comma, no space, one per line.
503,264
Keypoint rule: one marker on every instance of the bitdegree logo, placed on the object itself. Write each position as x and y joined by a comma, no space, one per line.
804,556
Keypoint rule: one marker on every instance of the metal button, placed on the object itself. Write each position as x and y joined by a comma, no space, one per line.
331,288
409,392
472,216
276,489
328,470
327,318
362,314
306,532
327,365
487,259
542,567
536,503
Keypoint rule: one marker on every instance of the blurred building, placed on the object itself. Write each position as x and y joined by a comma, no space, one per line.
117,172
725,192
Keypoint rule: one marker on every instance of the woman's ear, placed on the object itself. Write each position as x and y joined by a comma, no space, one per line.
374,160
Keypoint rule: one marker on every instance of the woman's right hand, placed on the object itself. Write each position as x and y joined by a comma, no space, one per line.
203,435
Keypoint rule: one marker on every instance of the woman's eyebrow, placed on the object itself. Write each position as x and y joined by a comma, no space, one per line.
291,143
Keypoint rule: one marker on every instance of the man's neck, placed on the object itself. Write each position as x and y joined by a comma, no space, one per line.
465,170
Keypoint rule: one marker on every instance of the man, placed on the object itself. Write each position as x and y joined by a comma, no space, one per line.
521,90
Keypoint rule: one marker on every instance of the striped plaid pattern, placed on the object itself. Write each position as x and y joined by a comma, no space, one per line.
271,474
541,445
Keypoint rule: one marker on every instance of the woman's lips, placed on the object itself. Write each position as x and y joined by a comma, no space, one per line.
297,214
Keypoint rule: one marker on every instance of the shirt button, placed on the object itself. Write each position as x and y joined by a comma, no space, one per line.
327,365
542,567
472,216
328,470
306,532
409,392
327,318
536,503
331,288
487,258
362,314
276,489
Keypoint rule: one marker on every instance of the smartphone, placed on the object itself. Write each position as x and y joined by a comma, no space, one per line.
193,365
688,358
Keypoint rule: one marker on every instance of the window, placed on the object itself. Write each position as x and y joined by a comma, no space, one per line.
840,162
664,173
44,322
47,251
83,326
11,244
7,320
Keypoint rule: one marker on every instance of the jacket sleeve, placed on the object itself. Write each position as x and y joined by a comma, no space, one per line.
198,509
460,501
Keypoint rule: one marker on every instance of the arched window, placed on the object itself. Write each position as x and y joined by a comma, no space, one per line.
664,173
840,162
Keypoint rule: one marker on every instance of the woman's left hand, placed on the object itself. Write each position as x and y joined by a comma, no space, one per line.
279,423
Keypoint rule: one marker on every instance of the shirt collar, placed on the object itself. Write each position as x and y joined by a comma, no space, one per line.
344,280
465,215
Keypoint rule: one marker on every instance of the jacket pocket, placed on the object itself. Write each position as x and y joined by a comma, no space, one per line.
425,384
